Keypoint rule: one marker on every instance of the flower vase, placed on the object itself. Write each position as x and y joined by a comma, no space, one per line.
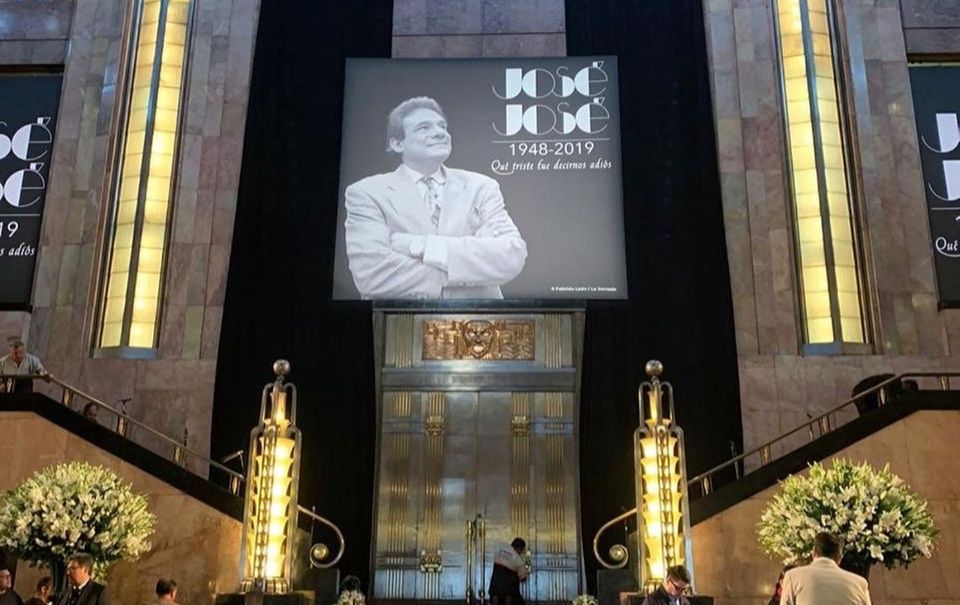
58,574
861,568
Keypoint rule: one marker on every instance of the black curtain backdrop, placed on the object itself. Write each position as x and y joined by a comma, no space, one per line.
277,300
281,264
680,309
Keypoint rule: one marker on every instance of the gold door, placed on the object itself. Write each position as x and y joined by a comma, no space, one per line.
477,423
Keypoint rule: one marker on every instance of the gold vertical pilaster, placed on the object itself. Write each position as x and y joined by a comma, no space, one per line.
520,468
556,492
398,478
434,420
399,346
552,341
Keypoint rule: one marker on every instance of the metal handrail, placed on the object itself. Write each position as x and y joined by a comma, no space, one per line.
821,421
7,379
237,479
619,554
343,544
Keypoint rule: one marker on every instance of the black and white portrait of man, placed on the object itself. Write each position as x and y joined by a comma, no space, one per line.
426,230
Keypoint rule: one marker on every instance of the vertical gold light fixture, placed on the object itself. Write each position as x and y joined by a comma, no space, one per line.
830,284
270,507
146,165
661,484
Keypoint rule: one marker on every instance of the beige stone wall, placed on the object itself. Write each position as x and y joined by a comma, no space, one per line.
479,28
779,385
176,390
923,450
193,543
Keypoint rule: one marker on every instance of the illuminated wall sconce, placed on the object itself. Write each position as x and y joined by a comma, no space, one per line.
270,507
826,232
662,511
142,195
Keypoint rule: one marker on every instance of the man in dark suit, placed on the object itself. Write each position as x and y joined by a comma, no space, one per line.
82,590
7,595
670,592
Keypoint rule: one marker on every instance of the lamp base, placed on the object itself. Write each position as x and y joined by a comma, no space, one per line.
261,598
611,583
635,598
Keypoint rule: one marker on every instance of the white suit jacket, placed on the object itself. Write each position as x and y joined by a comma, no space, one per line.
822,582
474,249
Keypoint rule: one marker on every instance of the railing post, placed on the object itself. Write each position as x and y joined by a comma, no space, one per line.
824,424
765,455
178,451
66,398
122,423
945,383
235,485
706,485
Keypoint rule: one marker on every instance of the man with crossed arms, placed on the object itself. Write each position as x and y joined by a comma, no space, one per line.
425,230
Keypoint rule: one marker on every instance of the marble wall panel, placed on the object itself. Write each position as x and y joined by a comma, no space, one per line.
931,27
780,386
74,229
478,28
32,21
932,42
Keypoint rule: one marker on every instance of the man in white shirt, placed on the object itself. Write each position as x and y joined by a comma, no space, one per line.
20,363
822,582
426,230
509,570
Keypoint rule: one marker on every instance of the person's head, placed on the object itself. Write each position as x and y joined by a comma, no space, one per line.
417,130
90,410
166,589
828,545
6,579
18,351
44,586
79,568
519,545
779,587
677,580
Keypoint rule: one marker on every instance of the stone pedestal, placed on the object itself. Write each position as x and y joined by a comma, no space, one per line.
637,599
259,598
611,583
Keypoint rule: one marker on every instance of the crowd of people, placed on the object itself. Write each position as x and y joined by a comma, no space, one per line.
821,582
81,588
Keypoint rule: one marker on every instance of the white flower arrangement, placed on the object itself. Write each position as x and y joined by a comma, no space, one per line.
73,507
875,513
351,597
584,599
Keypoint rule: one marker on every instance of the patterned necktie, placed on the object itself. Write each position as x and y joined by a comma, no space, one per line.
432,198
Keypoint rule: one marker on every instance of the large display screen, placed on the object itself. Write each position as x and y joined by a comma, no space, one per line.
936,102
480,179
28,113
